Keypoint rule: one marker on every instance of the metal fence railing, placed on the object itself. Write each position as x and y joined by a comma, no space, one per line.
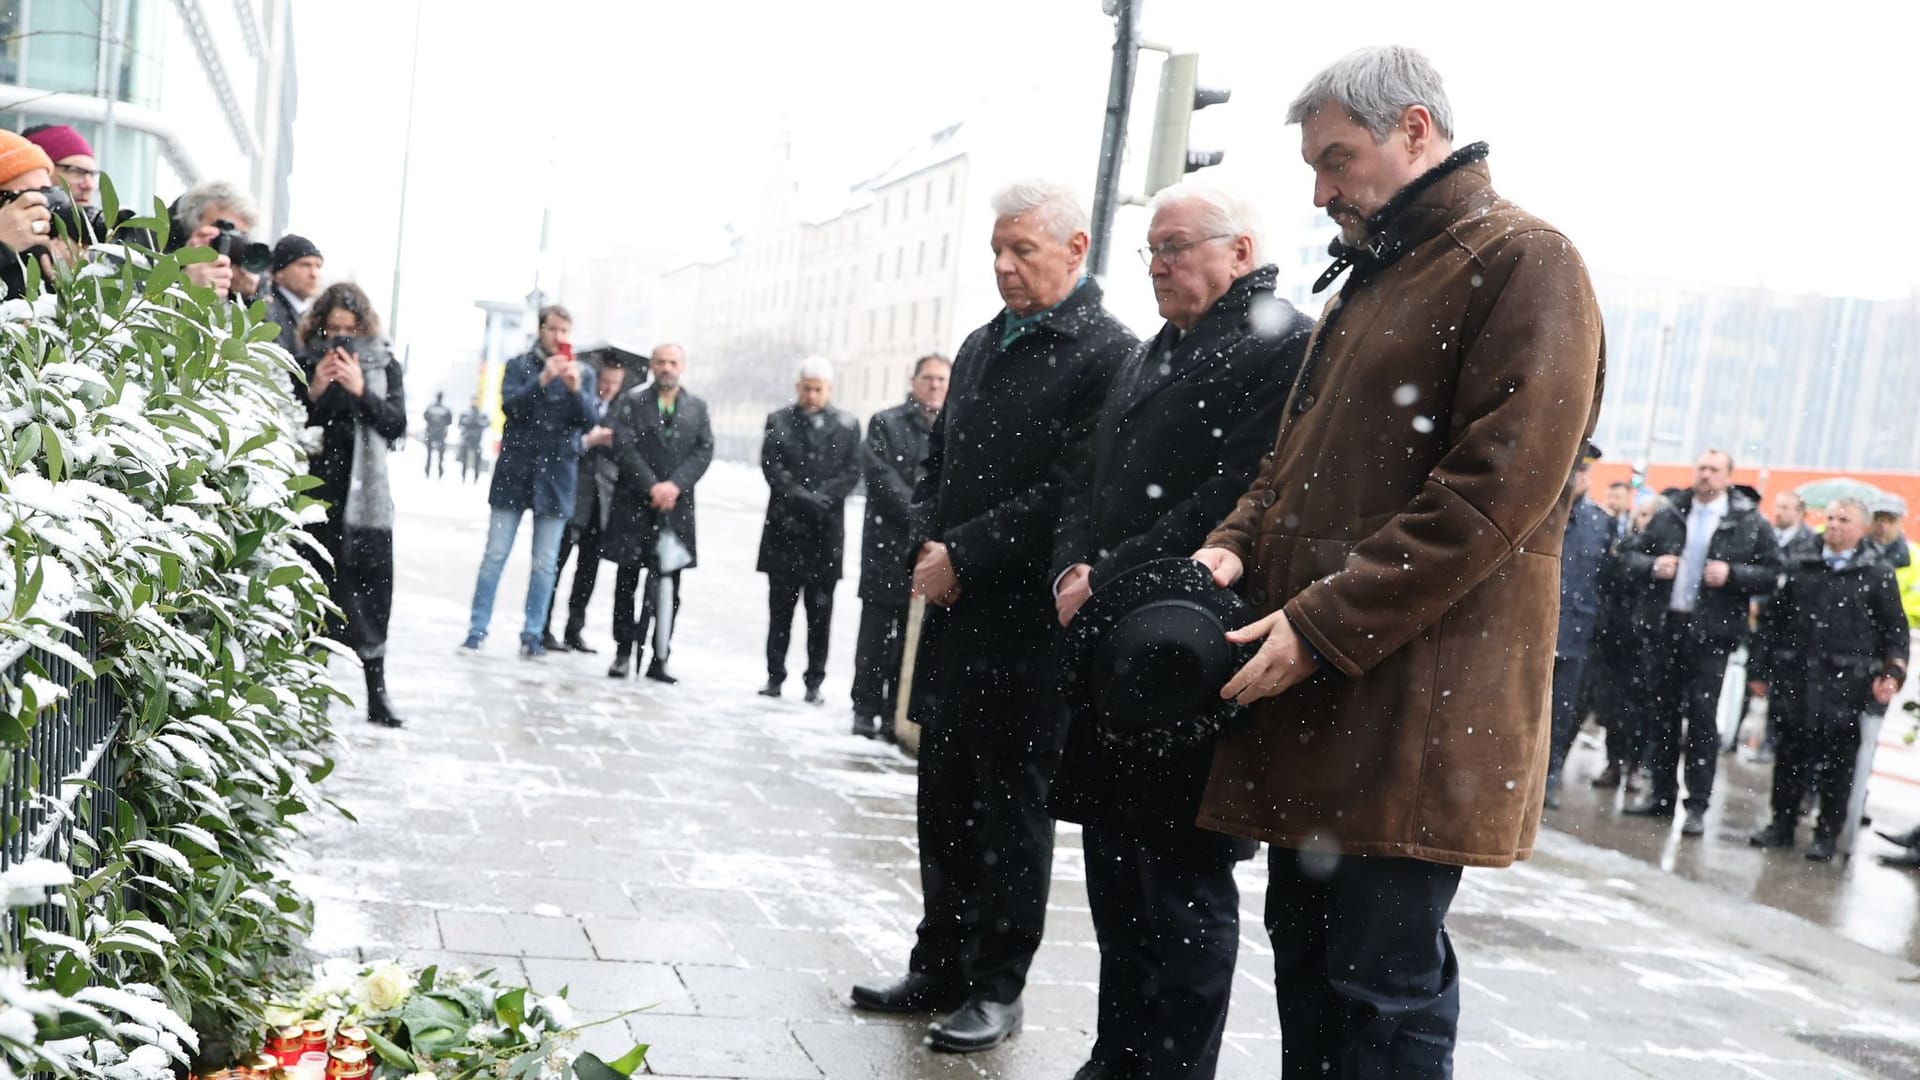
63,778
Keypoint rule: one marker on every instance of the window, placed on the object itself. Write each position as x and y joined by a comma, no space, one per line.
933,324
879,265
953,187
899,261
920,266
913,320
873,325
944,241
927,203
883,213
893,323
903,206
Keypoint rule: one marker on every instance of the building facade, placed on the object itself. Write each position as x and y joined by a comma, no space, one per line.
169,92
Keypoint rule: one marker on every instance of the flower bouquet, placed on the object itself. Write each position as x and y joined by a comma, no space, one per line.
384,1021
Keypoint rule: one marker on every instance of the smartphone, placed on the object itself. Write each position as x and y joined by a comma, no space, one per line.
566,349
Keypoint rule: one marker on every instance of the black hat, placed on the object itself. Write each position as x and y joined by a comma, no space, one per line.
291,249
1146,656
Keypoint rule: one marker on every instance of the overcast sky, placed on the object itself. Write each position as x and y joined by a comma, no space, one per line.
1709,142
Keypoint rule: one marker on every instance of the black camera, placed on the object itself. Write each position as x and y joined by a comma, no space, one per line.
249,255
83,225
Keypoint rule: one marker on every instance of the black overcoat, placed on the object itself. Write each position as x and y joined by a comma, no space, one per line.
896,444
647,453
1179,439
1742,540
812,463
1018,414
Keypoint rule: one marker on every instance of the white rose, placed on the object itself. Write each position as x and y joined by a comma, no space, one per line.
387,987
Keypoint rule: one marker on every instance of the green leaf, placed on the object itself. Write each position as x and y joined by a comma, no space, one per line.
70,975
26,443
510,1008
427,976
589,1066
388,1052
56,455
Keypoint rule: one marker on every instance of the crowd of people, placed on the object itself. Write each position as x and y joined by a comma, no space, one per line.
1252,579
1655,600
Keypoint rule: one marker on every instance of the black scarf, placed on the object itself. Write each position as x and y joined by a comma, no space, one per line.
1386,232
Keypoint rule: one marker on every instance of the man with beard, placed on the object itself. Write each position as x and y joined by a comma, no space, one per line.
1186,420
1026,388
1402,542
1702,560
663,442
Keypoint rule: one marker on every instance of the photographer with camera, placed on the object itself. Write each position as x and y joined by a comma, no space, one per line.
218,215
355,397
28,200
73,161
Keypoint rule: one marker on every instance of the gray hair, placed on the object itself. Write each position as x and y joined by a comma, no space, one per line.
1375,86
1224,213
815,367
675,346
1858,505
1658,502
208,194
1054,204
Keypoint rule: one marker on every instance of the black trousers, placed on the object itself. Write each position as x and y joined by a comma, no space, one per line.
469,456
986,856
782,595
629,629
1367,983
1682,717
437,450
1168,922
586,574
1817,741
361,583
1566,712
876,658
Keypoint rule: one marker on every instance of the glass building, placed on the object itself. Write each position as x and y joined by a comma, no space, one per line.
169,92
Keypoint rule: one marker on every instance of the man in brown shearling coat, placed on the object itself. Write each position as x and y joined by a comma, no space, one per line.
1404,543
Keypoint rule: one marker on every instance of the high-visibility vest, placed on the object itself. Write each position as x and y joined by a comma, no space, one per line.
1909,578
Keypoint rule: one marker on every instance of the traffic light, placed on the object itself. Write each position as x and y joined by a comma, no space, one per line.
1181,95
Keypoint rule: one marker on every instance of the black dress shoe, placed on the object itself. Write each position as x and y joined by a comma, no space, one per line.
1776,834
772,689
865,726
622,666
579,644
1695,825
657,671
553,644
978,1025
1821,850
814,697
914,993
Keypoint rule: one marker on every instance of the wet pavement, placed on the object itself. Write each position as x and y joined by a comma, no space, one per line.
735,863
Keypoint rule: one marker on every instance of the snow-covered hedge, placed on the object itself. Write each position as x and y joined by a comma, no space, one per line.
150,472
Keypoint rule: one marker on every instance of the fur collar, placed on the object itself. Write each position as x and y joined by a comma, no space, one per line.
1387,228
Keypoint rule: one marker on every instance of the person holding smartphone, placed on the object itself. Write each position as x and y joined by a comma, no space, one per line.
548,398
355,396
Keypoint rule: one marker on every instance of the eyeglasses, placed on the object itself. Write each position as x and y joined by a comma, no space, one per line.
1171,252
75,172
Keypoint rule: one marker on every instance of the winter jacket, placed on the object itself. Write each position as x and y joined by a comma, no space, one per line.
812,463
540,446
896,444
1409,523
648,450
1583,557
1848,618
1743,540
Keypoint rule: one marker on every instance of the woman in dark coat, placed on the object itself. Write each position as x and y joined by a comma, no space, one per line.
355,397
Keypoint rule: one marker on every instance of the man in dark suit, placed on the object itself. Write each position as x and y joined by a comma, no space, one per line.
896,443
296,281
592,504
1185,422
662,444
1026,388
811,458
548,397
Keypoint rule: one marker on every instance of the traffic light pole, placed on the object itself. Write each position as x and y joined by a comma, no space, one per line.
1113,141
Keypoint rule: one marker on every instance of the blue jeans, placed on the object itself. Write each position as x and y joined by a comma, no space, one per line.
501,529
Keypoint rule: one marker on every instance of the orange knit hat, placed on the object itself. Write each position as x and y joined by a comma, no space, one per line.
17,155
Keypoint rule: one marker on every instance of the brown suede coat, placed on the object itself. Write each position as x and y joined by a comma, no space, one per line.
1409,521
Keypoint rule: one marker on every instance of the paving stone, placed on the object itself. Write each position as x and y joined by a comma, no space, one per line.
660,941
359,925
732,1048
602,987
790,996
728,907
880,1052
801,950
565,896
514,935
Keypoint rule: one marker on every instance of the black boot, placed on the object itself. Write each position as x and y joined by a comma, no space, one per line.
380,708
622,666
657,671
